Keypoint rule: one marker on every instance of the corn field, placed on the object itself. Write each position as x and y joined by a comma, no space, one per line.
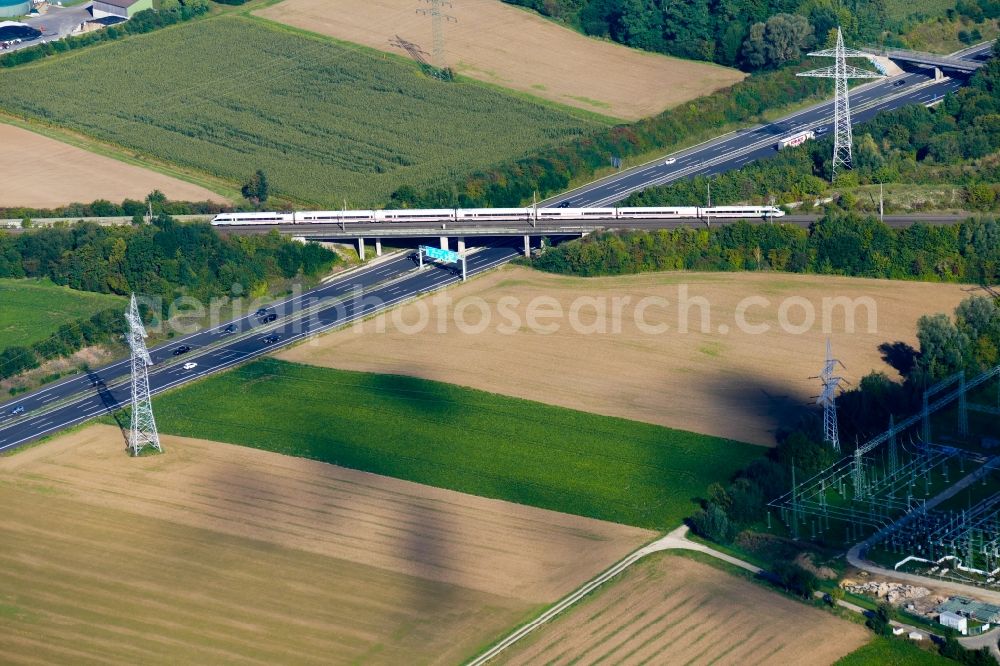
326,121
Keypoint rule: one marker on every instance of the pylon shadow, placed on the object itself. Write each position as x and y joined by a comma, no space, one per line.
111,404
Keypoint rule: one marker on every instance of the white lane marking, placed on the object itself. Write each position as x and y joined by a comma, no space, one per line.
81,417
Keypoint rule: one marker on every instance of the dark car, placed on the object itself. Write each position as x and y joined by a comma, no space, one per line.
261,312
564,204
183,349
901,82
271,339
267,318
414,258
17,410
228,329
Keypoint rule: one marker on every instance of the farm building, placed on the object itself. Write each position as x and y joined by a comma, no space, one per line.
970,608
955,621
121,8
14,7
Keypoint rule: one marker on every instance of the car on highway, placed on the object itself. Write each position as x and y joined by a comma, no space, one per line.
231,328
264,319
414,258
901,82
271,339
17,410
183,349
669,161
190,365
261,312
564,204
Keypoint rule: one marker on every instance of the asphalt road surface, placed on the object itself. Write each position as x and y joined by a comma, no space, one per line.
335,304
736,149
377,288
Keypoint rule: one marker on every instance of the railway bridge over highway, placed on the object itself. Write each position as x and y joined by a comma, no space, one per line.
530,232
946,63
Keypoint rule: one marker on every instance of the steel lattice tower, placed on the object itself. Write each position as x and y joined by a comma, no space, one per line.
828,399
437,28
143,431
840,73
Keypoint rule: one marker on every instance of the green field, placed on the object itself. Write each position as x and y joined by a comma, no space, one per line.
326,121
452,437
893,652
32,310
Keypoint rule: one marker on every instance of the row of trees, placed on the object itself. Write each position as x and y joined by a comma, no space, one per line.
103,327
913,144
128,208
171,12
165,259
752,35
837,244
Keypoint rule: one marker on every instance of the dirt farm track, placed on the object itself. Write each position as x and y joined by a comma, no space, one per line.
732,384
213,553
514,48
671,610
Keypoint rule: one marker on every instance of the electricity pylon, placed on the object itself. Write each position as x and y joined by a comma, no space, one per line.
828,398
437,29
840,73
143,430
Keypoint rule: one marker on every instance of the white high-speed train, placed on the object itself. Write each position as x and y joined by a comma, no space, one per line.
444,215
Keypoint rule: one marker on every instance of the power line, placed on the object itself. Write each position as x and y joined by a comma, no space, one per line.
840,73
438,20
143,428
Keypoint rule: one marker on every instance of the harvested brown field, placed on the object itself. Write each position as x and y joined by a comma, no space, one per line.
214,553
671,610
736,384
517,49
39,172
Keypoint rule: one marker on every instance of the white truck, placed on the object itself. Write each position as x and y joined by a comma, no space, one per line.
796,139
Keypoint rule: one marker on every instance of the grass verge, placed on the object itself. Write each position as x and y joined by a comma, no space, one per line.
893,652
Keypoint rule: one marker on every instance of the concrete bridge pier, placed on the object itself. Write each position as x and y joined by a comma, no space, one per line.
527,245
444,242
461,245
378,247
361,248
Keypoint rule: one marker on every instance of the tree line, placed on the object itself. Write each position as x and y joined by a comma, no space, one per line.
738,33
101,328
845,244
133,208
166,259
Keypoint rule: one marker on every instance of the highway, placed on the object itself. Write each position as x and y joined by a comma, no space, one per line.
376,288
335,304
734,150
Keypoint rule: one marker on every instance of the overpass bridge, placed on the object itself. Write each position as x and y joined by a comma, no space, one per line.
946,63
404,233
444,235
